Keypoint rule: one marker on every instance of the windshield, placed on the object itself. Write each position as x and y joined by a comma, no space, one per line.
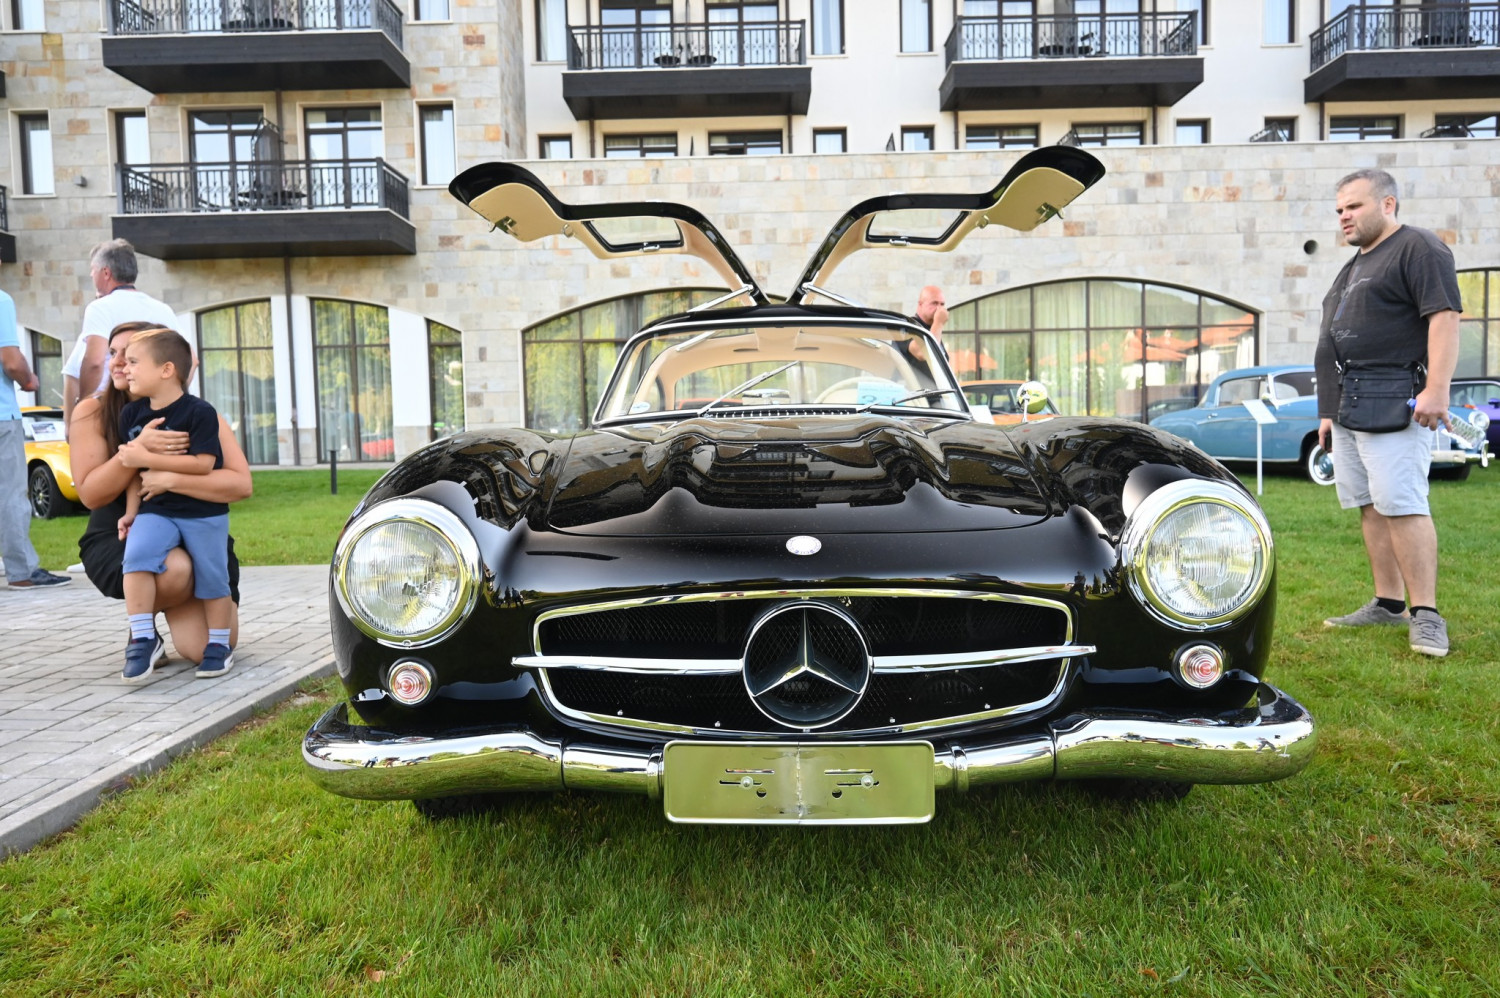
754,369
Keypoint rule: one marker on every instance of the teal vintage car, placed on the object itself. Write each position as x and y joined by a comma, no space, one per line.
1222,427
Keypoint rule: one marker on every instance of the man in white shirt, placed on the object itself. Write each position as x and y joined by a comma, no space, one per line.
112,267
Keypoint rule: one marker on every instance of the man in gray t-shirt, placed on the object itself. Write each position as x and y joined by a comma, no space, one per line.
1396,301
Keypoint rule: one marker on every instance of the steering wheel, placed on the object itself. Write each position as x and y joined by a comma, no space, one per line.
847,391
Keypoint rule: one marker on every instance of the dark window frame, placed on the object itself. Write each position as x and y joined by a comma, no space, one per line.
640,146
422,136
28,167
812,26
929,131
1002,141
1291,22
1104,127
541,55
1366,130
739,143
842,133
355,450
120,117
434,347
417,15
542,141
901,28
1286,125
41,358
1467,119
1202,124
239,350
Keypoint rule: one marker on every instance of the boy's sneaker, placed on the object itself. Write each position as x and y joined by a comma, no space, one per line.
40,579
1429,633
217,660
141,656
1372,613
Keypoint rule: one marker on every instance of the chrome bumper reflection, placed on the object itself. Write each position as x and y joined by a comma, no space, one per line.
1272,739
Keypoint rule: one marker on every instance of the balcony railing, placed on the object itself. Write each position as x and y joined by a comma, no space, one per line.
1072,36
174,17
4,209
648,46
1447,25
283,186
1272,133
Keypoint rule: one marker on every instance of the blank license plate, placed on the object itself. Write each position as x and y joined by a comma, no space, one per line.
806,783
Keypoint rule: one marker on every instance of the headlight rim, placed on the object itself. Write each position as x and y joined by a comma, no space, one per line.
1150,513
451,528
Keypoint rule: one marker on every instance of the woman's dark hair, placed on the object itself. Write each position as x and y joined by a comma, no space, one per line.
112,400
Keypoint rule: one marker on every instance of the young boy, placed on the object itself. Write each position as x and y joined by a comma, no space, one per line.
157,365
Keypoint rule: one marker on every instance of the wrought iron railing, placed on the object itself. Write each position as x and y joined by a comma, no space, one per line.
1433,25
4,209
173,17
648,46
1072,36
1272,133
269,186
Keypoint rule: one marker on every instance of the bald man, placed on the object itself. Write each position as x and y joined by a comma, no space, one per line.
932,312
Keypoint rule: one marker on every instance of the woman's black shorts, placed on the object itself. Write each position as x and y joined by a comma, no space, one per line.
103,553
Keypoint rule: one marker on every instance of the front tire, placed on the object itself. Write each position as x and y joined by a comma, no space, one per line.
1453,472
1317,463
46,498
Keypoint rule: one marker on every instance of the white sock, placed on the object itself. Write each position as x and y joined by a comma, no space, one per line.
142,625
218,636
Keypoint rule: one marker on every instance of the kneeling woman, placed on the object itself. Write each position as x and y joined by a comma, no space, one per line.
103,465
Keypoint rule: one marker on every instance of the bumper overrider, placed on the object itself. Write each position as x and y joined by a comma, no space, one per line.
1272,738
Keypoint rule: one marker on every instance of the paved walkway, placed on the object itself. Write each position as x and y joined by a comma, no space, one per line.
71,731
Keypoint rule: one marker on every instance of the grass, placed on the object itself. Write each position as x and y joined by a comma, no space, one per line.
292,519
1374,872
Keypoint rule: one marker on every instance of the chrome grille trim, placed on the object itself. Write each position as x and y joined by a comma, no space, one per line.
1062,654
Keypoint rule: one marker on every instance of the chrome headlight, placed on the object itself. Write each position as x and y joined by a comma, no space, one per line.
1197,554
407,572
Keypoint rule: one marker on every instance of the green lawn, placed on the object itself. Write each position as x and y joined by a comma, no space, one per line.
1375,872
292,519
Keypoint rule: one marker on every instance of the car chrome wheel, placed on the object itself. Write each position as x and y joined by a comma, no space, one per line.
1319,465
46,498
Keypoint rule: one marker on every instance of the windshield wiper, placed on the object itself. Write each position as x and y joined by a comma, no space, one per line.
928,394
747,385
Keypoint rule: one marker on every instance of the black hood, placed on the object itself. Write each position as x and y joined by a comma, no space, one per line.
872,474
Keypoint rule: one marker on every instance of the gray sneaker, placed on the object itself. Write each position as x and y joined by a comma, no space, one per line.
1370,614
1429,633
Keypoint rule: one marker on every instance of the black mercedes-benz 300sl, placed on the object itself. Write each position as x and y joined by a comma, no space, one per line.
789,576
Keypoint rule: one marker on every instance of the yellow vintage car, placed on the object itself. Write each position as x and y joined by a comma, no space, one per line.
49,478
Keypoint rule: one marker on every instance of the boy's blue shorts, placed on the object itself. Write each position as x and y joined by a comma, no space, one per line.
205,538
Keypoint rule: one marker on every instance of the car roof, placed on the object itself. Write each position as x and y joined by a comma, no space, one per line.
1262,369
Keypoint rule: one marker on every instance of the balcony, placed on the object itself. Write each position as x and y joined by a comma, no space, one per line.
1446,51
7,241
687,70
1071,60
234,46
202,211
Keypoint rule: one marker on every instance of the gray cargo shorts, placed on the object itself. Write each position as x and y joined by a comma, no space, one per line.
1384,470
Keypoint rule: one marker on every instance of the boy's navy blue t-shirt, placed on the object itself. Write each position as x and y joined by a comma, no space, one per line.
201,422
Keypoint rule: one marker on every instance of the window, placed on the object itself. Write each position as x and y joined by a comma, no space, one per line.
1103,347
445,367
352,371
552,30
1125,134
132,143
46,363
741,33
438,164
223,136
827,27
639,146
744,143
1199,7
916,25
1364,129
1277,130
557,146
343,143
1464,126
28,15
638,33
1279,21
917,138
1192,133
1479,330
238,373
567,360
1000,137
36,153
830,140
430,10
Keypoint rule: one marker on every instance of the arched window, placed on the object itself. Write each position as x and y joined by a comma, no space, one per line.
352,360
1103,347
238,374
1479,332
445,373
568,359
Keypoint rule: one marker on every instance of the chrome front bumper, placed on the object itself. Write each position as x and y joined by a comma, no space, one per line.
1269,740
1451,457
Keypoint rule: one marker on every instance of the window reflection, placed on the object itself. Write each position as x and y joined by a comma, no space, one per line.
238,374
352,358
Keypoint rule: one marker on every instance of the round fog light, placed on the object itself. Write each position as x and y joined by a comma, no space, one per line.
410,682
1200,666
